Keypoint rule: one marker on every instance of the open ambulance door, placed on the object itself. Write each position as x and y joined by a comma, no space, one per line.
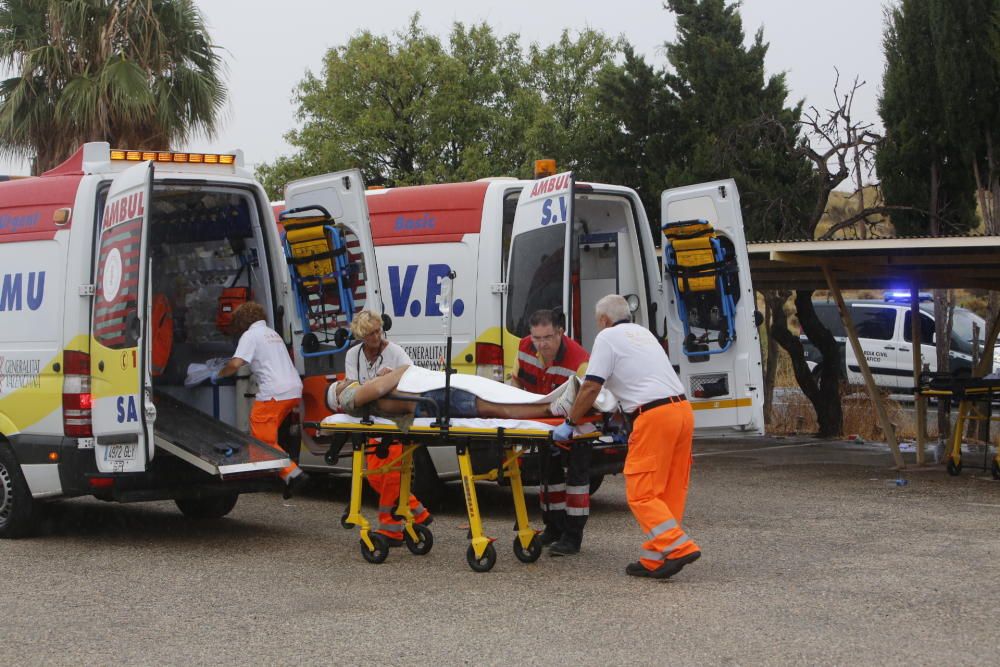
711,324
331,257
538,270
122,408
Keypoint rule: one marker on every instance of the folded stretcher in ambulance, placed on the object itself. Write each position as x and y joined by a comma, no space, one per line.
704,276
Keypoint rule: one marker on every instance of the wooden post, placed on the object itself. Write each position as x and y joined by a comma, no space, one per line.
873,392
918,366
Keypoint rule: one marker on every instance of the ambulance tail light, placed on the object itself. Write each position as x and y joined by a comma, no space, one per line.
77,399
489,361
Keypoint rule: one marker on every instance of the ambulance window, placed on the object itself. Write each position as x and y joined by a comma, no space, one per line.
117,302
536,275
509,209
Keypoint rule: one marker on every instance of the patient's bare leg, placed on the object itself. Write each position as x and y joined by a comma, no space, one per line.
378,387
512,410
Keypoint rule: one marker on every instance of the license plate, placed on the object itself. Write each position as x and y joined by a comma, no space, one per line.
120,452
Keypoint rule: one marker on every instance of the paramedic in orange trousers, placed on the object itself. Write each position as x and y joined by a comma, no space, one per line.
547,358
279,387
631,363
374,357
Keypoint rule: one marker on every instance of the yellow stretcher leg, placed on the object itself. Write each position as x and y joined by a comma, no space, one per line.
524,532
354,515
479,542
955,455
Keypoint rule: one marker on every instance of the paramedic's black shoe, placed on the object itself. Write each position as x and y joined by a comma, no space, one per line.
548,537
295,485
563,548
668,569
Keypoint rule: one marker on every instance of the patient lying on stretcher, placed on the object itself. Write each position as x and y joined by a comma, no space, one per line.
353,398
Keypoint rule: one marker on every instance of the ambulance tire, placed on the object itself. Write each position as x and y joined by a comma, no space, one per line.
212,507
427,486
17,507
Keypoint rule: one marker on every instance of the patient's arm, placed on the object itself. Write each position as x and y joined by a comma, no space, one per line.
378,387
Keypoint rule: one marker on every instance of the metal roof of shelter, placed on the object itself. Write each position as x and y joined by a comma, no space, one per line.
949,262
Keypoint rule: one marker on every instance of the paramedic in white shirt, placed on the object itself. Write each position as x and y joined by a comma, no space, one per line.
374,357
632,364
279,387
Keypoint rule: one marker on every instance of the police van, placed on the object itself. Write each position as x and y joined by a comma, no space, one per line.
95,393
520,245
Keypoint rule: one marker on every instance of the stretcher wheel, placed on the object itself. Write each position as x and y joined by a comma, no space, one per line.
379,553
996,469
954,468
484,564
422,547
531,554
343,520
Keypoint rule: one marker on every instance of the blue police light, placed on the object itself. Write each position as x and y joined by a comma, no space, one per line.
903,296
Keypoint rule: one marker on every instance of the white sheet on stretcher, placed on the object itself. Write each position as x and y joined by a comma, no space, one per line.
417,380
463,422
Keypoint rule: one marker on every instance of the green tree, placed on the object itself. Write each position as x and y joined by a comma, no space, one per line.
135,73
407,110
566,75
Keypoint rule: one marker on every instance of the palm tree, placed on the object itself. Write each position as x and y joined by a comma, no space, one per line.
135,73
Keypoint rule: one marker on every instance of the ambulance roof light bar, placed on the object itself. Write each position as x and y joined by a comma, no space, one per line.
118,155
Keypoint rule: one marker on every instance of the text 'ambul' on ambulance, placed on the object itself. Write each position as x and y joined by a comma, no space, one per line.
119,273
522,245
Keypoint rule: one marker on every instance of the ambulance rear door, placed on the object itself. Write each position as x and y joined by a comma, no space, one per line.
725,389
341,196
538,269
123,411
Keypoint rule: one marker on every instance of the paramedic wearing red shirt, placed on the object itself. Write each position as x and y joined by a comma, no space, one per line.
376,356
279,387
631,363
545,360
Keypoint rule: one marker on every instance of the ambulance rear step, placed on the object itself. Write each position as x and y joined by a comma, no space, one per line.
211,445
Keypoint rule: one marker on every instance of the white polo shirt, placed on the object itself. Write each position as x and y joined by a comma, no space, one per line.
631,363
262,348
357,367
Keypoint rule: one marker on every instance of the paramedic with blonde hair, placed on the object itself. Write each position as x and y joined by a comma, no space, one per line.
630,362
279,387
373,357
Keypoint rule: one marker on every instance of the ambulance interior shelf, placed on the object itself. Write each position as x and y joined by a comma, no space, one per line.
703,269
322,274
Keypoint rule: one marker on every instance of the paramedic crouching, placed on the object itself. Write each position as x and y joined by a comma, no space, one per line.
547,358
374,357
630,362
279,387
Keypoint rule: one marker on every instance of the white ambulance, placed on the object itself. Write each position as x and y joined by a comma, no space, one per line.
85,251
517,246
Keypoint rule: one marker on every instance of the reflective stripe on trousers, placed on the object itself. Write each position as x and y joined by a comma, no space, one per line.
578,500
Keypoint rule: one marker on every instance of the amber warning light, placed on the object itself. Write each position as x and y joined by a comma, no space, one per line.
545,168
169,156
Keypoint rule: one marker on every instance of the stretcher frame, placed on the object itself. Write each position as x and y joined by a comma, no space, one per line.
968,393
512,444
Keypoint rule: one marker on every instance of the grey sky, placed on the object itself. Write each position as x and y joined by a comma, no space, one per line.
270,45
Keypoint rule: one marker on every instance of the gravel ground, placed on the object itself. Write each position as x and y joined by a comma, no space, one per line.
812,555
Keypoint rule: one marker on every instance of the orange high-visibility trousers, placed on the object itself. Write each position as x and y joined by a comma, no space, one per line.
387,487
265,420
657,470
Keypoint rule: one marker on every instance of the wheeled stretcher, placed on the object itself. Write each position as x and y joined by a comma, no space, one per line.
975,398
508,440
703,275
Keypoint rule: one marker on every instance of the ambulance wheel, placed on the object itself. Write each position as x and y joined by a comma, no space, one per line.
954,469
484,563
423,547
379,553
212,507
531,554
16,504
